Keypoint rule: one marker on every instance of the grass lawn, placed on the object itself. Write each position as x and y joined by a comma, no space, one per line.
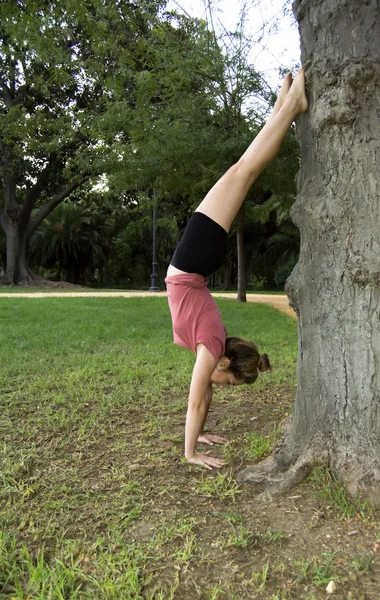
96,500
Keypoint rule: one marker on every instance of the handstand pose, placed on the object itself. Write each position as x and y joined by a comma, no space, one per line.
197,323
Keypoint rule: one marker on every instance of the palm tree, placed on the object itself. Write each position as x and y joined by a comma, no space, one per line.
68,240
282,251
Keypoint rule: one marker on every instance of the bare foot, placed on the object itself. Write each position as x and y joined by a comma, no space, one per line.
296,98
283,91
281,95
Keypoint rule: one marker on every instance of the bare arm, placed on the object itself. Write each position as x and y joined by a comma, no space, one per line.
208,403
208,438
199,402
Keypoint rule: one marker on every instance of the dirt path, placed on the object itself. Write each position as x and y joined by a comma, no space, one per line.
279,302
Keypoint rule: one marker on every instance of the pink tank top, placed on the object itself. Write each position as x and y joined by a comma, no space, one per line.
195,314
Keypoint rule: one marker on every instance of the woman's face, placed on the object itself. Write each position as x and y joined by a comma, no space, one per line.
224,378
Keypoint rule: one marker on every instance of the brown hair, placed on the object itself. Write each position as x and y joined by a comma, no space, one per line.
245,359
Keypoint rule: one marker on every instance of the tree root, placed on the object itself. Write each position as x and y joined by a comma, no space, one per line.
38,282
360,478
278,481
27,279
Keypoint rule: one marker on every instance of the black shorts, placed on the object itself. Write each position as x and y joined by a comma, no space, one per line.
202,248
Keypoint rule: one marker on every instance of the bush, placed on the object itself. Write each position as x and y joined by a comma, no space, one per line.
256,284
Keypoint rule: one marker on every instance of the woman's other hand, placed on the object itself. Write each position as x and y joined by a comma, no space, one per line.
204,460
207,438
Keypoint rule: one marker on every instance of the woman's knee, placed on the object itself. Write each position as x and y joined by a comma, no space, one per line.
242,170
235,170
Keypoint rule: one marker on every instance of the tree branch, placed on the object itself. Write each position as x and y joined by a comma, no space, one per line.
34,192
52,203
6,93
13,80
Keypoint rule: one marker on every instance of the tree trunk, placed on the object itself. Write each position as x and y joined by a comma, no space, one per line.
18,227
16,272
335,288
242,273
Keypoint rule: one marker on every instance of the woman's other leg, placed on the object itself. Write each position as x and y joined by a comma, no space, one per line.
225,198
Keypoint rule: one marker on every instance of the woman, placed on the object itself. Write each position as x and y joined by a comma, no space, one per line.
197,323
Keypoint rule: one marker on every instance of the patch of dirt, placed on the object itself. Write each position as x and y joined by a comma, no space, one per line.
312,536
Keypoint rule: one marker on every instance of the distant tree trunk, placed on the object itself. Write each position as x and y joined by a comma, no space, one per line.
18,226
242,273
335,288
16,269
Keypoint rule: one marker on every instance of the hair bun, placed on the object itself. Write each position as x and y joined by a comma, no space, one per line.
264,364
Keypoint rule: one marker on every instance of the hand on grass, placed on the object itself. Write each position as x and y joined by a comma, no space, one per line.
207,438
204,460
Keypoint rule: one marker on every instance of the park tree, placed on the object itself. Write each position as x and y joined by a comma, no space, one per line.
335,287
67,81
117,88
147,97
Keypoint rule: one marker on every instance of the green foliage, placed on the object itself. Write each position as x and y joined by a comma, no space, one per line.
72,92
283,271
131,262
67,239
65,68
256,284
136,98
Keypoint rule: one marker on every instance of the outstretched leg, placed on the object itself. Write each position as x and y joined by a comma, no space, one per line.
225,198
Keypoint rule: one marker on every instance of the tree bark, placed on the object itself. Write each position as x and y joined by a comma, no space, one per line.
335,287
18,229
242,272
16,266
17,271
